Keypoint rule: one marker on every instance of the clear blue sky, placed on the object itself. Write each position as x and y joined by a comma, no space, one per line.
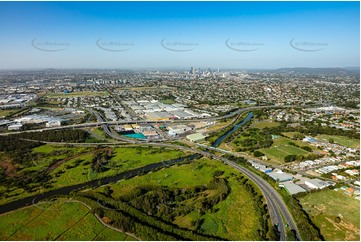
267,28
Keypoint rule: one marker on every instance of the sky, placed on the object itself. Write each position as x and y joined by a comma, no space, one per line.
239,35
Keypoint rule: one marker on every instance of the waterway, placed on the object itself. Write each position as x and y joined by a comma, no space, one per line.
223,137
103,181
95,183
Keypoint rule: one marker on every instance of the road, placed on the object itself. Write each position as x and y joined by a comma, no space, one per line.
276,206
100,123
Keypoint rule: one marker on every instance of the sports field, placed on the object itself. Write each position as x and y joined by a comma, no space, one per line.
323,208
281,148
341,140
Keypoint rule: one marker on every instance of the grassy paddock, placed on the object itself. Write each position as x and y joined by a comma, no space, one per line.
124,159
342,140
264,123
290,134
57,220
323,208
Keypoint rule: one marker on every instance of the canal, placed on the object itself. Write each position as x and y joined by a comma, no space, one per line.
94,183
223,137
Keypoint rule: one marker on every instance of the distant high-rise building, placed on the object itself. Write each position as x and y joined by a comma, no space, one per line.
193,70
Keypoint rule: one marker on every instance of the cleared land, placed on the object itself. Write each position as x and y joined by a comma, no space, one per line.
342,140
57,220
323,208
234,218
219,125
281,148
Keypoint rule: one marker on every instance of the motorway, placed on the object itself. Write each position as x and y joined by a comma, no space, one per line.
276,206
102,121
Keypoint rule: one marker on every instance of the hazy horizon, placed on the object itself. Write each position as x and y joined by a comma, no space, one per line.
178,35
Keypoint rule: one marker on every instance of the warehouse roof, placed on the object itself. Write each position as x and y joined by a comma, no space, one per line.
281,177
196,137
292,188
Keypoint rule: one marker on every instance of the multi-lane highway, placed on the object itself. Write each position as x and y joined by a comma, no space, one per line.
102,121
276,206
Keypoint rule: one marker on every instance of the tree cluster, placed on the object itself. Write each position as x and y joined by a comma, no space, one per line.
62,135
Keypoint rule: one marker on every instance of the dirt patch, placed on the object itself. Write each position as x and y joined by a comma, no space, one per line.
106,220
9,168
351,231
320,208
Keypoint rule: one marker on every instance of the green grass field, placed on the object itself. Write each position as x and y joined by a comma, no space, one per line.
342,140
52,152
263,124
124,159
236,217
46,155
47,149
168,101
324,206
99,133
76,94
280,149
8,112
57,220
290,134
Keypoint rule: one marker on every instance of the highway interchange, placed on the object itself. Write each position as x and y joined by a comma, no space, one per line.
279,213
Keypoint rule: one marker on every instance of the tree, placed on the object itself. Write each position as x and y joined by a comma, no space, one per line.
307,148
108,191
290,158
338,219
257,153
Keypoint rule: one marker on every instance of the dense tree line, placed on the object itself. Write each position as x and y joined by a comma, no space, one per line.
12,143
167,203
62,135
130,219
308,230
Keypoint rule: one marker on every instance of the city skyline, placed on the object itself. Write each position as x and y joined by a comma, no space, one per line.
128,35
